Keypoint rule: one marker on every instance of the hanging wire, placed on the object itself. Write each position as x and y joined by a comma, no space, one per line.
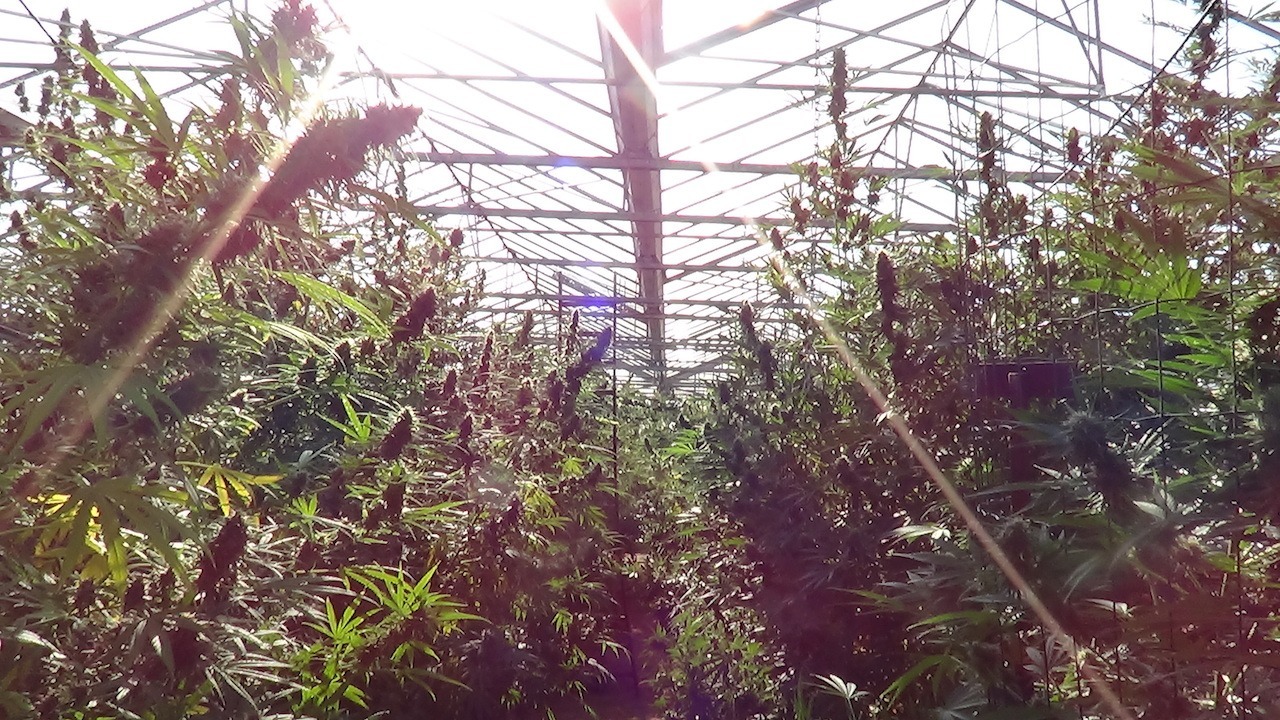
38,22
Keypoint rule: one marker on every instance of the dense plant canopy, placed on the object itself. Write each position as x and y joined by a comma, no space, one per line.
259,461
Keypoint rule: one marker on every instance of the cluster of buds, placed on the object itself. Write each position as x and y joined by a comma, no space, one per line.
738,463
342,358
135,596
162,590
332,499
484,369
987,148
411,324
1074,155
20,92
747,321
839,87
97,86
523,345
297,26
571,334
1159,107
1111,475
800,215
762,350
1206,48
231,109
331,152
390,508
495,532
892,315
560,404
397,439
588,482
218,564
995,206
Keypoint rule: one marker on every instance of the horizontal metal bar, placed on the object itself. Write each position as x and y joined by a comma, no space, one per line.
817,90
614,264
608,300
543,312
441,211
643,163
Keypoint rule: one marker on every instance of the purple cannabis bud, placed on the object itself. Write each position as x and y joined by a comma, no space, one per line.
747,319
486,362
162,591
839,87
571,336
342,353
134,596
465,429
393,500
228,546
409,326
987,148
218,564
595,355
395,442
524,396
887,289
775,238
1074,155
767,368
526,330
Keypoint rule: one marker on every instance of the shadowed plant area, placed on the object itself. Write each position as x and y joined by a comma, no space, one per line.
259,458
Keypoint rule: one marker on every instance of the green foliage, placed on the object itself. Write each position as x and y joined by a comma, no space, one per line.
258,463
1131,498
255,461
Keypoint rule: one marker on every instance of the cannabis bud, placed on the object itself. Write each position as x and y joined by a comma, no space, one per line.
134,596
595,355
775,238
218,565
342,353
409,326
486,362
764,354
747,318
395,442
526,330
393,500
887,288
1074,156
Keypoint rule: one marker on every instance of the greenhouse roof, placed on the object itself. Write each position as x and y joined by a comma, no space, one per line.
620,157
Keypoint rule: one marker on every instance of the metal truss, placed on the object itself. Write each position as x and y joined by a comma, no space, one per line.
618,158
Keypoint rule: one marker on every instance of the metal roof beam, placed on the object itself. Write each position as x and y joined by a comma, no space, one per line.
543,312
631,46
605,301
769,17
661,163
614,264
441,211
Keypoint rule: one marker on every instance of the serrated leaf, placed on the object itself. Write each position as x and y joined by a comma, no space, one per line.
327,295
